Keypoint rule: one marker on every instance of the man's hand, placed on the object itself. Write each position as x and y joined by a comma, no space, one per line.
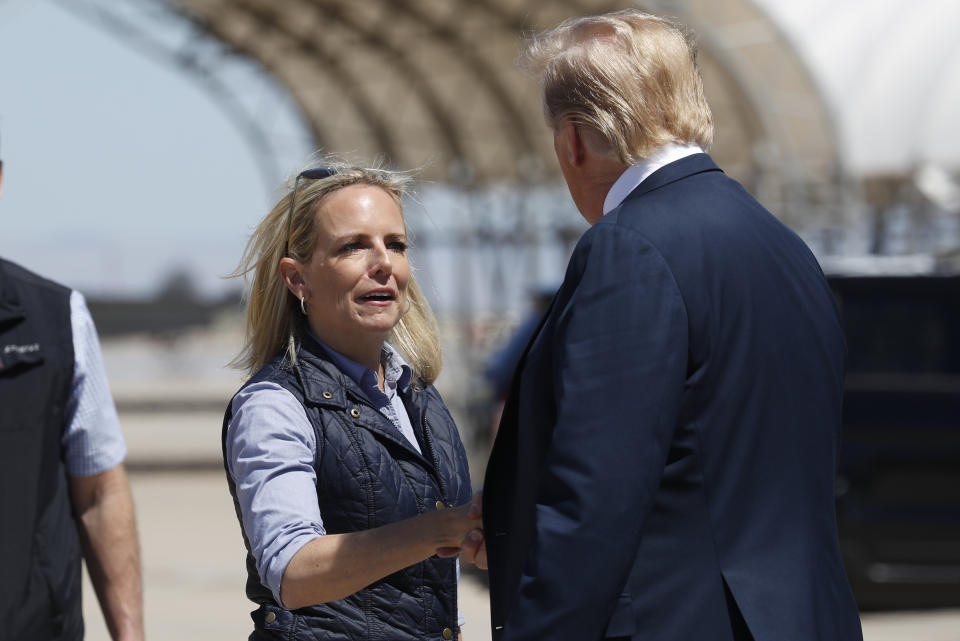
473,535
474,548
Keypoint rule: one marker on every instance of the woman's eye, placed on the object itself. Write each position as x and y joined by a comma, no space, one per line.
398,246
349,247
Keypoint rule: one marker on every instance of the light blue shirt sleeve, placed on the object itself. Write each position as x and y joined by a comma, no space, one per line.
92,440
270,450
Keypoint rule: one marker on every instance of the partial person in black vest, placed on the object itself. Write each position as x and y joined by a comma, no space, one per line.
63,490
346,470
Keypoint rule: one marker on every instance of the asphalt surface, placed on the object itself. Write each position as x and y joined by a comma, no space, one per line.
194,575
170,398
193,564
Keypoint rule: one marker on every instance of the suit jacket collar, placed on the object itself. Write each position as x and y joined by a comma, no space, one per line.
644,167
677,170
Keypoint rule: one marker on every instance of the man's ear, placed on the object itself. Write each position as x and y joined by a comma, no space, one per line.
570,143
292,273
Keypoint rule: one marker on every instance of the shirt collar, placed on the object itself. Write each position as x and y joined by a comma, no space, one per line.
636,174
395,369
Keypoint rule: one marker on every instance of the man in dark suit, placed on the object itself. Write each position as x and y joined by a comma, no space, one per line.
665,465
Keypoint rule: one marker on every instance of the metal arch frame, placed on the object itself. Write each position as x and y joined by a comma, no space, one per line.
422,89
523,143
828,116
792,168
202,61
483,72
329,64
759,98
201,58
848,189
519,24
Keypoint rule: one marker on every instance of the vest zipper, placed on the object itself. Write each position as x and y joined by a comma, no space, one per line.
433,450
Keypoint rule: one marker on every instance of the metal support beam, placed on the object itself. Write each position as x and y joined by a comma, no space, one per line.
164,32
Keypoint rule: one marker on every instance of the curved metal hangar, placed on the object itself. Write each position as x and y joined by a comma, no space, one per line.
432,83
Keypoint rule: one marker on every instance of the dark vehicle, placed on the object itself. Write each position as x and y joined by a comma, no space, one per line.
898,491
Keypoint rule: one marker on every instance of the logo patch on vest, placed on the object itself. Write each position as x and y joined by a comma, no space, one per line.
21,349
13,354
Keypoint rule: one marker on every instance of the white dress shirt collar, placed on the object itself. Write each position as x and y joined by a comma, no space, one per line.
636,174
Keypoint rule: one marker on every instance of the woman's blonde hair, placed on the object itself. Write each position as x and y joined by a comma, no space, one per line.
629,76
274,320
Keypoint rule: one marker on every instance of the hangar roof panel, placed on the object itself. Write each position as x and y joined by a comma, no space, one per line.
889,71
432,83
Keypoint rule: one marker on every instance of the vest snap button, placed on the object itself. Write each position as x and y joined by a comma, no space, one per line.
327,395
355,413
440,505
447,634
417,388
271,617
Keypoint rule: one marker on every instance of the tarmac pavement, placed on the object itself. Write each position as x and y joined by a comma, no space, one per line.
193,564
192,550
194,572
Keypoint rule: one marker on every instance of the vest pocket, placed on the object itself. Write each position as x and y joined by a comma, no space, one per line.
54,595
56,560
35,617
17,412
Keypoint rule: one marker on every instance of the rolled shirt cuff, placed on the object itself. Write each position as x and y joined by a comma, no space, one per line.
277,564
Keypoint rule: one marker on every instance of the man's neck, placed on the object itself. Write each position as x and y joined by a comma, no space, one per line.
597,181
632,176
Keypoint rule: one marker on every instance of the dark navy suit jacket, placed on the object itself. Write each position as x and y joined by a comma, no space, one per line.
664,468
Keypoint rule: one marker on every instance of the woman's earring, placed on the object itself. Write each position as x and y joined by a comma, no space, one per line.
303,305
409,305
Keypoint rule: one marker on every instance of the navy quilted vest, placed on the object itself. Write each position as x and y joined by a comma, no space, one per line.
368,475
39,546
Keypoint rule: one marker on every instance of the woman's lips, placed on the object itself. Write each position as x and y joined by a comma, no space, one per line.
378,297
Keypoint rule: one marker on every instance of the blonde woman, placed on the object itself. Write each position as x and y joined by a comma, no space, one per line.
346,470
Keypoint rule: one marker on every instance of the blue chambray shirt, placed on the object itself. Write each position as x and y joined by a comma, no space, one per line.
92,440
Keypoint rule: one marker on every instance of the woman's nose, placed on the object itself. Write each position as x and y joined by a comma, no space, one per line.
381,262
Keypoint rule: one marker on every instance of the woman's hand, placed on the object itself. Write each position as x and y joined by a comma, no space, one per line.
334,566
472,548
466,519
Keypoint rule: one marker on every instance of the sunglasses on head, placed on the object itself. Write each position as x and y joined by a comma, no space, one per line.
309,174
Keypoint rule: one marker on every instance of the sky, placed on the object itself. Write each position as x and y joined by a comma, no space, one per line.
118,168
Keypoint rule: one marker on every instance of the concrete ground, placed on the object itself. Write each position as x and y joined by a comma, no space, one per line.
193,564
193,555
193,572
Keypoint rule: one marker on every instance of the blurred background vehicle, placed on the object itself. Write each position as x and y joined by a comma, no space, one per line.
898,490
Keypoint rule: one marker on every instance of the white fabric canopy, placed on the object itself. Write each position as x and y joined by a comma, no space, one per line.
890,73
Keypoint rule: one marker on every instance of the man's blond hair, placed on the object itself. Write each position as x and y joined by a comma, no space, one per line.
630,77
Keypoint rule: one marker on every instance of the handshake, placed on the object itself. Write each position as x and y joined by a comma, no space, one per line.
463,532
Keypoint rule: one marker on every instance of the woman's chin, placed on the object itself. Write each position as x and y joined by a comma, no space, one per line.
379,321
